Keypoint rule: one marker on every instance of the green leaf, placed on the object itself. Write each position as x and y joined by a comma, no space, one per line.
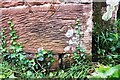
13,55
11,40
41,58
18,48
44,51
11,28
38,55
52,60
13,32
9,22
110,57
112,70
29,73
32,60
113,48
51,74
49,55
2,76
12,24
15,37
77,27
22,57
49,63
14,43
12,76
116,36
12,47
109,39
115,74
102,69
78,20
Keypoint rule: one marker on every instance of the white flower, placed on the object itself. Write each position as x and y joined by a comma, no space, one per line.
70,42
69,33
67,48
40,49
73,49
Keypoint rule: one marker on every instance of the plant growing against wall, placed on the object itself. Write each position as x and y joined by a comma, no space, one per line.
17,58
81,64
45,58
106,45
73,33
3,47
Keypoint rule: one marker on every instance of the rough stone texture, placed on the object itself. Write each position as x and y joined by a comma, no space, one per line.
55,64
40,28
76,1
39,25
13,3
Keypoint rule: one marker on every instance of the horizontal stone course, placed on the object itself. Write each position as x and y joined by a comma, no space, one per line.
40,26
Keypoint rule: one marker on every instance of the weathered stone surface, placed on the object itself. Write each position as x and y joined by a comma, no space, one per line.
13,3
55,64
76,1
38,27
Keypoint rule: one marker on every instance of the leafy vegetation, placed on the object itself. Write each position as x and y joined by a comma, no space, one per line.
106,72
106,44
17,59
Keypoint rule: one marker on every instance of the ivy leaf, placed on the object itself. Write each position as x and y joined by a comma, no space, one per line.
13,55
44,51
41,58
18,48
22,56
29,73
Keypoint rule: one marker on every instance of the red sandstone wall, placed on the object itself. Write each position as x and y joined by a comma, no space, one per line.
38,27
